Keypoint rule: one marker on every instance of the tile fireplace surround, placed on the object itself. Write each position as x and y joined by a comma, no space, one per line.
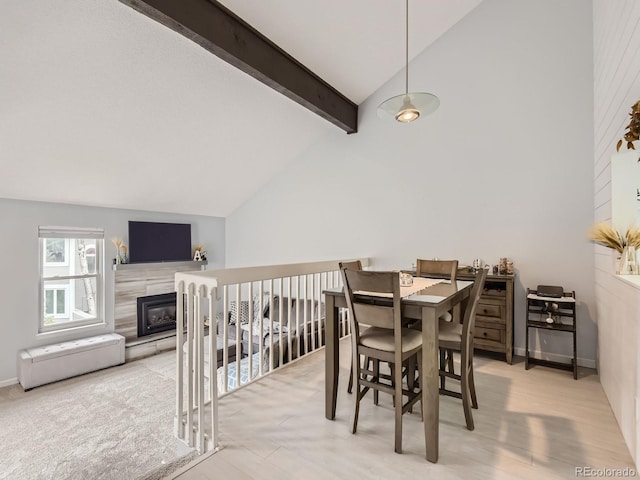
141,280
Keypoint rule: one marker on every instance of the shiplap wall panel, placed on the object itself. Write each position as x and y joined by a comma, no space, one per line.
616,27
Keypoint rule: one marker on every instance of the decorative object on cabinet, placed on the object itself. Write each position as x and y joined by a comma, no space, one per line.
494,314
502,266
544,304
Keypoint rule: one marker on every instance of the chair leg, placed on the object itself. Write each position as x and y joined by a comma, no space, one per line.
367,360
442,368
355,373
472,387
397,382
376,377
466,394
350,387
411,377
419,358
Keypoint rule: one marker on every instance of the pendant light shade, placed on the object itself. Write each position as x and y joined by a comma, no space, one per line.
407,107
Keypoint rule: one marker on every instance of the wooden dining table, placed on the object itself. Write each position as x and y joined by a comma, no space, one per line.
425,301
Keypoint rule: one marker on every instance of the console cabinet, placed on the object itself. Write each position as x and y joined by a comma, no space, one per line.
494,315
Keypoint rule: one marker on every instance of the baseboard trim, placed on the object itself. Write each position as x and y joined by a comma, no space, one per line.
8,382
555,357
147,349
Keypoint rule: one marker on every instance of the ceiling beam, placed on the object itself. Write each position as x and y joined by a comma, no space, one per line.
220,31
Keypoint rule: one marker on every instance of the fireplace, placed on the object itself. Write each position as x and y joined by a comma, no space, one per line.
156,313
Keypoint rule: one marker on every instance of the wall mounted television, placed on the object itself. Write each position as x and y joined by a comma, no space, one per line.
159,242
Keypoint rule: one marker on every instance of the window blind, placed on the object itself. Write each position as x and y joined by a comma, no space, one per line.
70,232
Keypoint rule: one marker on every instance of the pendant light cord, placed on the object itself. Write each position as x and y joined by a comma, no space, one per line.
406,58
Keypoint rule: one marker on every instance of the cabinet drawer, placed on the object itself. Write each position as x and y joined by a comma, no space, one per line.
490,310
490,334
491,322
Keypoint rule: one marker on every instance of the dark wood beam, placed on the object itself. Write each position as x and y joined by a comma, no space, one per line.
220,31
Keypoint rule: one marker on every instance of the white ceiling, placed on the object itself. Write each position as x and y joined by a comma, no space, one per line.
102,106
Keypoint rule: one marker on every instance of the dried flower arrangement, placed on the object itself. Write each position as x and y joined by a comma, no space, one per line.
118,244
633,129
605,235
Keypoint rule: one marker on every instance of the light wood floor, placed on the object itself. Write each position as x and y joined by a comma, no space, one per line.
531,424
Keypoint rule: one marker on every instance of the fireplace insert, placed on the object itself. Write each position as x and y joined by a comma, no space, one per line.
156,313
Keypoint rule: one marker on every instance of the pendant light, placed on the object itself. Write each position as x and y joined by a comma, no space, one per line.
408,107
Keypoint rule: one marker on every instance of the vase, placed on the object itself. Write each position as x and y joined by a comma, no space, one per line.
628,261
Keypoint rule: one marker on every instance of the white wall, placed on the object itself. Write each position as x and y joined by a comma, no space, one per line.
19,285
503,168
617,87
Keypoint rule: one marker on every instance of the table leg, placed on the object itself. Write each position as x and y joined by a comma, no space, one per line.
331,357
430,391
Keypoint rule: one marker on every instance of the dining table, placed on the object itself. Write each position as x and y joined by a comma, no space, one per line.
425,300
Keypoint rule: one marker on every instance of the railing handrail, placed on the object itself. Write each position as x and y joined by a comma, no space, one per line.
198,299
230,276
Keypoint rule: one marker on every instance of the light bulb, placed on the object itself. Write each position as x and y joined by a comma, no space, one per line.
407,115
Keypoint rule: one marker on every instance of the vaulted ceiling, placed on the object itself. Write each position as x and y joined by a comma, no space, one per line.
103,106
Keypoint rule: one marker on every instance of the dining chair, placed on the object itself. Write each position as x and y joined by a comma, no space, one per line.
437,268
354,265
357,265
447,269
455,337
384,340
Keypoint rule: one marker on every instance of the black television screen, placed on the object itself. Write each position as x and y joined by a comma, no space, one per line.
159,242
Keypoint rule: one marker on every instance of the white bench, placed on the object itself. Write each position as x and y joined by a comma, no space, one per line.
49,363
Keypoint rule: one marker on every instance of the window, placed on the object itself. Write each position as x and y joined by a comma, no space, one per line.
56,299
56,251
71,277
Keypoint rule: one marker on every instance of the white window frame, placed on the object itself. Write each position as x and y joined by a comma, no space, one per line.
54,281
55,288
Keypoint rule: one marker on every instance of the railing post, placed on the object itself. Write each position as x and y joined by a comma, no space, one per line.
190,373
213,366
179,422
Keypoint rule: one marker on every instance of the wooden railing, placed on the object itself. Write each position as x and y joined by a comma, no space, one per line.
223,309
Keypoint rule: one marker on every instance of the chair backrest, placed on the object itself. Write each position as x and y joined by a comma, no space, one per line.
354,265
469,317
437,268
385,313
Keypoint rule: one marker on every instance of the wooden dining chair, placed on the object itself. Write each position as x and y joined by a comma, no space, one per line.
385,341
437,268
455,337
354,265
447,269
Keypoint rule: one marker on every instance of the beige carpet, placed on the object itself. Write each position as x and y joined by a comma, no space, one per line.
112,424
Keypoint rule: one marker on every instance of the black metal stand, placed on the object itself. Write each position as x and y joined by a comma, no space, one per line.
563,312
